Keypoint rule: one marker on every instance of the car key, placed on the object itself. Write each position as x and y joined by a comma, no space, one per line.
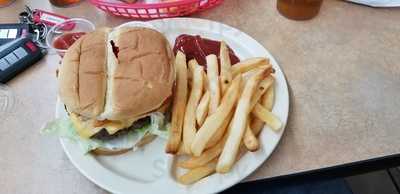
9,32
18,55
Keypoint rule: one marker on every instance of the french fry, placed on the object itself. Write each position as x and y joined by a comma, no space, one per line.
213,83
196,174
239,121
189,123
256,125
179,104
250,140
267,100
205,84
190,69
225,61
269,118
225,79
214,121
181,150
229,104
263,86
205,157
269,97
249,64
202,108
220,132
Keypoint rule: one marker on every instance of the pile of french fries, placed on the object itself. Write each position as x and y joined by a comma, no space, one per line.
217,116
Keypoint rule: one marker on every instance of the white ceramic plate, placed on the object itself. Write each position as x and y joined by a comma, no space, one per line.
150,170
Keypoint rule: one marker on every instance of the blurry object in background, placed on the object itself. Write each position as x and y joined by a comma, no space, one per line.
148,1
129,1
48,18
5,3
152,9
61,36
378,3
36,16
63,3
299,9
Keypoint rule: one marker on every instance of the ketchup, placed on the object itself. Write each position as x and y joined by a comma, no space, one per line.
198,48
115,49
66,40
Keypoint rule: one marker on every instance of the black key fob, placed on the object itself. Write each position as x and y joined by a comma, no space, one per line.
18,55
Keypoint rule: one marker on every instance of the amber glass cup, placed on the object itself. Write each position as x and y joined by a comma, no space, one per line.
64,3
4,3
299,9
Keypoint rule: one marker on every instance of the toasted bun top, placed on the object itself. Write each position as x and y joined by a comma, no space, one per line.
144,76
95,82
82,75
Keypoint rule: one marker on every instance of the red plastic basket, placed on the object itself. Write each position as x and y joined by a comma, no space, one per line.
154,10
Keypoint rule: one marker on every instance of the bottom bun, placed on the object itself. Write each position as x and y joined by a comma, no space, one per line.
109,152
148,138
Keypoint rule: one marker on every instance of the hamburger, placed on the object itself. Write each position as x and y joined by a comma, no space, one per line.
116,86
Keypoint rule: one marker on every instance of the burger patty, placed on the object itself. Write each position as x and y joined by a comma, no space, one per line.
104,135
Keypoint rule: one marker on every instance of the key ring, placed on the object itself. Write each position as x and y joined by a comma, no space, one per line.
37,29
26,17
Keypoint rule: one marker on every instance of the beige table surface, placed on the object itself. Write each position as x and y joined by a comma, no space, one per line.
342,67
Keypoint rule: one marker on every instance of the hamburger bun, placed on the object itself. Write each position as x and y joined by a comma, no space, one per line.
98,81
110,152
82,75
142,74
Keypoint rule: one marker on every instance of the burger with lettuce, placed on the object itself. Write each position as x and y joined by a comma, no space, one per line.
116,86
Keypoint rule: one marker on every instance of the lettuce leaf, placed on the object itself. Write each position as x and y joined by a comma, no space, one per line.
63,127
158,126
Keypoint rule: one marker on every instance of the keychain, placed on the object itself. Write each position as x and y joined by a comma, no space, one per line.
22,44
39,22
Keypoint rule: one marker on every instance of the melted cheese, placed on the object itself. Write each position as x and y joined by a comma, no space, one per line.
87,128
114,126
